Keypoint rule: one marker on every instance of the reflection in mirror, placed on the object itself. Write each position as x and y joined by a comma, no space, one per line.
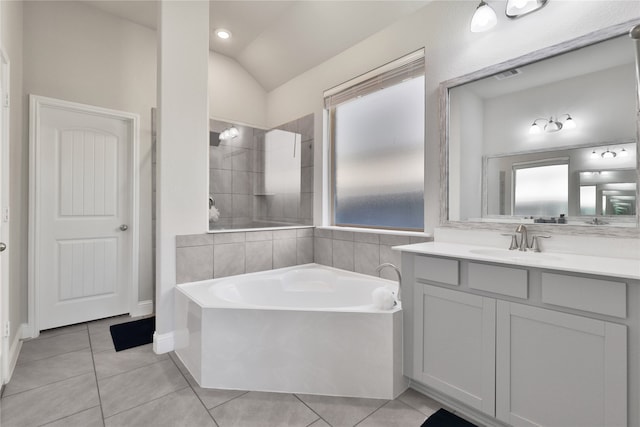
562,183
519,137
260,178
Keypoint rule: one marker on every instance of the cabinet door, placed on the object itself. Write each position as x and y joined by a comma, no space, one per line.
557,369
455,344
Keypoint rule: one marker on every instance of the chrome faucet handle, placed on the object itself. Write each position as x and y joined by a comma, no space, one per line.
514,241
535,245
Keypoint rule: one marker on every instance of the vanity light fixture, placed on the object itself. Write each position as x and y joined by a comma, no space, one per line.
484,18
518,8
624,153
608,154
229,133
223,34
552,125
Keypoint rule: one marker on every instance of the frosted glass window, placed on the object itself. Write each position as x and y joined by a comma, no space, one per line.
379,158
542,190
587,200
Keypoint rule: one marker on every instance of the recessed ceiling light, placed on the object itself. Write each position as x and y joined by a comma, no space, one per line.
223,34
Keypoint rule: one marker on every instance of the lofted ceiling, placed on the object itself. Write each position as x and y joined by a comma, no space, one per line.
277,40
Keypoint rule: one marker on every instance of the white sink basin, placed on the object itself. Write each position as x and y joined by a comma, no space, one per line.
515,255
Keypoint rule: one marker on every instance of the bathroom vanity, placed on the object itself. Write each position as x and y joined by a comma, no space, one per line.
523,338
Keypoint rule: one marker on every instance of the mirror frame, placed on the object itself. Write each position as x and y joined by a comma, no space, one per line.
538,55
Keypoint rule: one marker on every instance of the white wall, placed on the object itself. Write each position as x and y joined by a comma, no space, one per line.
234,95
451,50
183,151
78,53
602,105
12,41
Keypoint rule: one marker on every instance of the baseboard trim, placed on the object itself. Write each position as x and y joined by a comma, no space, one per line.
459,408
163,343
14,351
143,308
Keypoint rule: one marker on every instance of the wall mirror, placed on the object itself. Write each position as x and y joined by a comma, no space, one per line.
550,138
260,178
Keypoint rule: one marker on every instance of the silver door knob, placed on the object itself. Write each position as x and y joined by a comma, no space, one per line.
2,247
124,227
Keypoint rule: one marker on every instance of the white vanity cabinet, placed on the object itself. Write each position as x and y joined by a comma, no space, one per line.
510,342
456,334
558,369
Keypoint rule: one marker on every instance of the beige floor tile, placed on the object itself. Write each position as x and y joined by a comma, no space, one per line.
110,362
49,403
394,414
89,418
261,409
30,375
419,401
178,409
342,411
128,390
41,348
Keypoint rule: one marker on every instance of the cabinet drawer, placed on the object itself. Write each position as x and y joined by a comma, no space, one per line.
582,293
499,280
437,270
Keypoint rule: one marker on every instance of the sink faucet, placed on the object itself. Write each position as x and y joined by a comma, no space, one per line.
524,240
388,264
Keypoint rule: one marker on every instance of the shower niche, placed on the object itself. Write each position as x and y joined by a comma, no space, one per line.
260,178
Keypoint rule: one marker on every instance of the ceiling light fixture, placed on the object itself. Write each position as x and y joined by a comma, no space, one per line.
223,34
484,18
552,125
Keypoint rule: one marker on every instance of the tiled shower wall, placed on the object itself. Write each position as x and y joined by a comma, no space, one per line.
208,256
236,177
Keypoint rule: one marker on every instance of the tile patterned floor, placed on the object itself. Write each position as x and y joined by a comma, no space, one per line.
73,377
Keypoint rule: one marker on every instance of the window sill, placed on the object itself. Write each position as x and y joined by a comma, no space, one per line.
377,231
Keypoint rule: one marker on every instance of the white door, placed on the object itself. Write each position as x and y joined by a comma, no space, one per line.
557,369
4,215
455,344
83,213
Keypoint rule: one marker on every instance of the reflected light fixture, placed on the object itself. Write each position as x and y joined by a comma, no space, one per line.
552,125
484,18
223,34
608,154
624,153
517,8
229,133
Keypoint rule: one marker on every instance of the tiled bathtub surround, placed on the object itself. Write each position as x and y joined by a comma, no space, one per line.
209,256
360,251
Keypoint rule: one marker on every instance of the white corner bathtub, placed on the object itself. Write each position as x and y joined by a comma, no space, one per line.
305,329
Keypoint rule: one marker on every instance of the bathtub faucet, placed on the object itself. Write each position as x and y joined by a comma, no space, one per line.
388,264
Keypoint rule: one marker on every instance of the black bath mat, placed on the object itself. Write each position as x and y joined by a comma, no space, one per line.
444,418
133,334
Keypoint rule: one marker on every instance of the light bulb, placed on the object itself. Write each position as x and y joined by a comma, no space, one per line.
594,155
225,134
483,19
624,153
518,4
552,126
233,132
535,129
569,124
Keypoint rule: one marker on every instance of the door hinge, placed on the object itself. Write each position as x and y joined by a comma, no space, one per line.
7,329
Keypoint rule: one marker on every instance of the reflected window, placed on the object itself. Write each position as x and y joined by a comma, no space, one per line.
378,153
587,200
541,190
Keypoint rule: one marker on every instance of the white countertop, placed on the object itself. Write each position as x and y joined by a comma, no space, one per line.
614,267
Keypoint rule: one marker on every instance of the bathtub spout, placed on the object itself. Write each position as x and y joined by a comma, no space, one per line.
388,264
